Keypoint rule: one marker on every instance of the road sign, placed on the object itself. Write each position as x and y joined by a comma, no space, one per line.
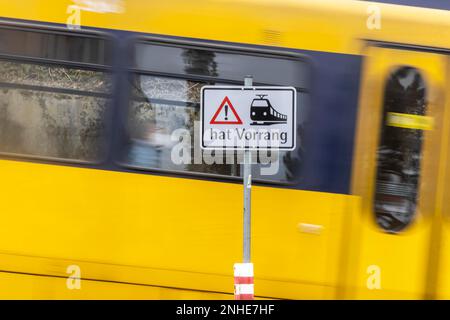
237,118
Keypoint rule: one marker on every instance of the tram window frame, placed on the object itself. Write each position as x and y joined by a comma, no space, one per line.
216,48
105,66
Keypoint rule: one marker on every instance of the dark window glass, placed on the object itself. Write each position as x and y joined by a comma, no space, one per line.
227,65
399,152
161,106
166,99
54,46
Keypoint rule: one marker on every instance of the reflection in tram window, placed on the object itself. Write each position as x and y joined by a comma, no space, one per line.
52,111
162,105
159,107
166,86
399,152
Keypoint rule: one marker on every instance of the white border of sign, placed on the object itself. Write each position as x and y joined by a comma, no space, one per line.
294,120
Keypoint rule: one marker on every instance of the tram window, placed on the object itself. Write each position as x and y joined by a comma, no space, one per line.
221,64
161,112
261,103
163,107
400,151
52,111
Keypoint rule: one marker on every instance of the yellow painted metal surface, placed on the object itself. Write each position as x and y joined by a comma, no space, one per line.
165,231
322,25
442,226
403,259
409,121
25,286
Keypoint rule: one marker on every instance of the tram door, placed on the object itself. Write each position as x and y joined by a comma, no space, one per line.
442,246
398,173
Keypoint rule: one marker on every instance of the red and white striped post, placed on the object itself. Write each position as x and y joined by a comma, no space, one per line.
243,281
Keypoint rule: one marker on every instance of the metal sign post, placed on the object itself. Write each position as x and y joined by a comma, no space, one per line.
248,82
251,119
243,272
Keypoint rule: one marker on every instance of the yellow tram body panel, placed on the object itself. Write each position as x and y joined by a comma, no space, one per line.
155,237
141,229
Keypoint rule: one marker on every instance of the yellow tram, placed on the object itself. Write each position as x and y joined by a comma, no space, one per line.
359,210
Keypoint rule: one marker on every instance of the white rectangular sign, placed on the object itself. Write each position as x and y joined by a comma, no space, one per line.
237,118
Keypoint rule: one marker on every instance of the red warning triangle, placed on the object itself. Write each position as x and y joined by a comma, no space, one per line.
227,120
